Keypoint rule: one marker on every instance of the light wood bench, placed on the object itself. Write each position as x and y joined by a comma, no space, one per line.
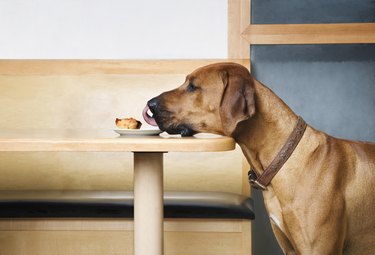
90,95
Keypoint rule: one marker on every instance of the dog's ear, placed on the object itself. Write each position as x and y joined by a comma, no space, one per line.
237,102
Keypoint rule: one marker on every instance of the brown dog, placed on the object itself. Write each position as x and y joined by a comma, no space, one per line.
322,201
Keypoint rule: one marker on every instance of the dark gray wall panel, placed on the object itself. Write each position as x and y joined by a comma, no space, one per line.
312,11
331,86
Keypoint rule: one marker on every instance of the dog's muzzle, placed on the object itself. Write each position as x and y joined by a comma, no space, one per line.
161,118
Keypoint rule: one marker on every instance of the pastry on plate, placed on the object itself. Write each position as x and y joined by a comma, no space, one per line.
128,123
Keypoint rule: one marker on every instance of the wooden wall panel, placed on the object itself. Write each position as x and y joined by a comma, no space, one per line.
114,236
114,243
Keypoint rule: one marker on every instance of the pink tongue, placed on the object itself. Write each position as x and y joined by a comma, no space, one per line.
150,120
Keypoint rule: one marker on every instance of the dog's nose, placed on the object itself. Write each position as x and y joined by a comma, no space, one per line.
153,104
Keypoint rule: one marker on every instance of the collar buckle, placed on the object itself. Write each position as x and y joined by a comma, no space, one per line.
252,176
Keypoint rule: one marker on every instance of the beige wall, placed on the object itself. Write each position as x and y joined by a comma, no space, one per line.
112,29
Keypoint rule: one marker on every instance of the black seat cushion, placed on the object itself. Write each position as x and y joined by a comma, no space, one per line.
47,203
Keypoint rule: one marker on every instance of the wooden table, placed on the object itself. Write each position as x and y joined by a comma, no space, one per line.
148,167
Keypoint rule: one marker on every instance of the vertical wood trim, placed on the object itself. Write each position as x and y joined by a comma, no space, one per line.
246,190
243,30
238,21
246,237
239,18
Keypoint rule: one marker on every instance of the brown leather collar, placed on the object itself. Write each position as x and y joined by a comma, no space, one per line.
286,151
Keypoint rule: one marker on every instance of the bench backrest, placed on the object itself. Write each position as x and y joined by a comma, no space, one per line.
62,95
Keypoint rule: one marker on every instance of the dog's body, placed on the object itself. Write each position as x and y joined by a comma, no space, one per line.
322,201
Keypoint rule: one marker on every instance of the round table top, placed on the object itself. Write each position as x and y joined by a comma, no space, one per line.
108,140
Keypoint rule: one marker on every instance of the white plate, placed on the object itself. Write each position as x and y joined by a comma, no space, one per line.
138,131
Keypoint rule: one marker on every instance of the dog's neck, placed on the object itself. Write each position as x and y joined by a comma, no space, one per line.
262,136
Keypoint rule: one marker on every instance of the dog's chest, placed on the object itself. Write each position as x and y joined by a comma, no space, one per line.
274,211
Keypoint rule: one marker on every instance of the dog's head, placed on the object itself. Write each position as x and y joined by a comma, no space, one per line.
213,99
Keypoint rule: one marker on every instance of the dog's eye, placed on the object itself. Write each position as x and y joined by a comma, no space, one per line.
191,87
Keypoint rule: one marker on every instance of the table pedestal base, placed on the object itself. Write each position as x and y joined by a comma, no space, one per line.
148,203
